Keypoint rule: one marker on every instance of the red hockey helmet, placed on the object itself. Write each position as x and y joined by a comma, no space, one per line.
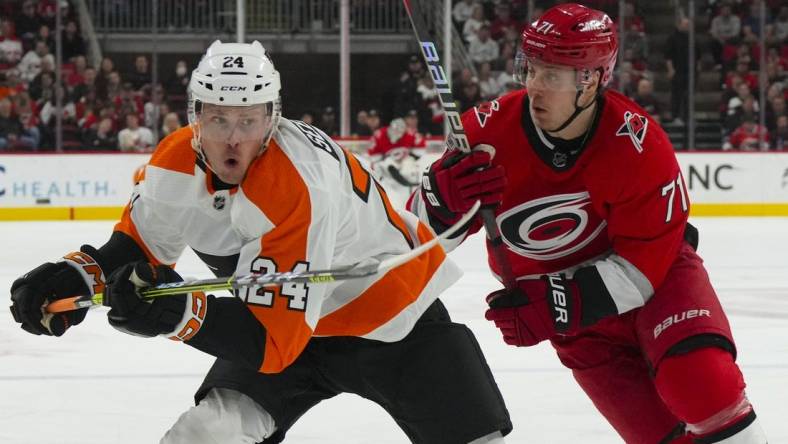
571,35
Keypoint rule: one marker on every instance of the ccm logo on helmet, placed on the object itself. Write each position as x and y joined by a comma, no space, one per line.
232,88
676,318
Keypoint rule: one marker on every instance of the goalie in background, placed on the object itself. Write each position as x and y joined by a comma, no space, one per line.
252,192
394,157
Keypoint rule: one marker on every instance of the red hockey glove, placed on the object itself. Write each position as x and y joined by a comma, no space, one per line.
542,308
456,181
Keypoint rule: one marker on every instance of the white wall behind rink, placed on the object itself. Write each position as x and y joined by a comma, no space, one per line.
33,186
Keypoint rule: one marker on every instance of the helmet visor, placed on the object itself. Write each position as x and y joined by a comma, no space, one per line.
234,124
538,75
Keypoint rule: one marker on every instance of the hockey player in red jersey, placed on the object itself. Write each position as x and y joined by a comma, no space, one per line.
592,210
252,192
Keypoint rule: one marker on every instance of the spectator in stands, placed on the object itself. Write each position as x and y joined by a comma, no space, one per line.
647,100
470,96
176,84
503,20
27,23
774,110
88,84
676,61
170,123
141,75
13,134
734,119
47,10
155,108
725,29
743,71
373,121
462,11
360,127
103,137
750,136
328,122
42,88
135,138
471,27
128,102
743,93
30,66
10,46
780,27
488,85
412,121
73,44
483,48
751,24
780,134
635,48
45,36
77,76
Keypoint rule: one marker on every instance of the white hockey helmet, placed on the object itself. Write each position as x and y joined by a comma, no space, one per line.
240,76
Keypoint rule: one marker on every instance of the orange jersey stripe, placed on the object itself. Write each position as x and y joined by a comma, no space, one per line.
278,189
387,297
126,225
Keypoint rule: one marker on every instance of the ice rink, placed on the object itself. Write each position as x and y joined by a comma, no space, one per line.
96,385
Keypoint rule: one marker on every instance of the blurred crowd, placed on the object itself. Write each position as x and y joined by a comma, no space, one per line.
107,107
103,107
734,50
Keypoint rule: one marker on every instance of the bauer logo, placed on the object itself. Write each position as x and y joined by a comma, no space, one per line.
550,227
678,318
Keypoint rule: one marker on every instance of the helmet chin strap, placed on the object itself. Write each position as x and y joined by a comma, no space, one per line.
578,110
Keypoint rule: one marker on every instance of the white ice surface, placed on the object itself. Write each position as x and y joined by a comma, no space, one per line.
95,385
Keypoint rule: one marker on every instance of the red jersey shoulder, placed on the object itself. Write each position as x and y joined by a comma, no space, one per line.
630,152
175,152
628,130
494,117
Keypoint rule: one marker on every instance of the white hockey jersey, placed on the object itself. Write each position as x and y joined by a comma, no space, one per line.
305,204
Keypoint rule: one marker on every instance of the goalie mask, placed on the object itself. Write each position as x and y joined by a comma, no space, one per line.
234,97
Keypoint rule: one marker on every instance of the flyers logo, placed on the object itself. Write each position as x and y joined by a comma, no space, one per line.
635,127
550,227
485,110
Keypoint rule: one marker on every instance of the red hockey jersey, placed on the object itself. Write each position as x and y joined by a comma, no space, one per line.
619,203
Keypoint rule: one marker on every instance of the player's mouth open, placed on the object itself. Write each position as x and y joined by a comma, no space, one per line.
231,163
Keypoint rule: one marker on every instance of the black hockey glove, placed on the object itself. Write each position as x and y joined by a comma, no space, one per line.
77,274
178,317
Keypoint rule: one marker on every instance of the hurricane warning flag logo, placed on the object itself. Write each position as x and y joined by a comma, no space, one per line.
635,127
485,110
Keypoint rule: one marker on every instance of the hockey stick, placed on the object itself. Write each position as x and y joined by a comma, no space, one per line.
358,270
456,138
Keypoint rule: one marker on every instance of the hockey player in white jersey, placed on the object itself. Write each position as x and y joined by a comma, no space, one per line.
250,191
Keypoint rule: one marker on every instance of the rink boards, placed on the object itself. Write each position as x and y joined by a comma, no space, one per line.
97,186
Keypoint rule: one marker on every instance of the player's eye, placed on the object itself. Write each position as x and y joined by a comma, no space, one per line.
218,120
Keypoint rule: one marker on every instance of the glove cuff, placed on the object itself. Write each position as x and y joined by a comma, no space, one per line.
88,268
193,318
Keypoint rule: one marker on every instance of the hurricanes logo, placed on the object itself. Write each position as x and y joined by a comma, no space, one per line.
550,227
485,110
635,127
